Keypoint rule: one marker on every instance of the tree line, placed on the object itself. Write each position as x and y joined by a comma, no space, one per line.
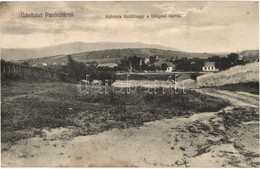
78,71
135,63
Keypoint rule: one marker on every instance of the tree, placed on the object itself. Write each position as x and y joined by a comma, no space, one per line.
152,67
183,64
233,59
152,59
25,63
123,65
224,63
143,65
108,77
164,66
194,76
93,72
76,70
134,62
214,59
196,64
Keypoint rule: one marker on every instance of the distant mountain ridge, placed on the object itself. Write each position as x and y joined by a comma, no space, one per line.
70,48
115,55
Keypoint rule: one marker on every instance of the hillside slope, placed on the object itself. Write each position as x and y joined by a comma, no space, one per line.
69,48
250,55
237,74
114,55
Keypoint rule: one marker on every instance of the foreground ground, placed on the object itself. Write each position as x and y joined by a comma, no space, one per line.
145,134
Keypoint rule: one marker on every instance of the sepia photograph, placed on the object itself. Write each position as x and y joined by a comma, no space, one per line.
130,84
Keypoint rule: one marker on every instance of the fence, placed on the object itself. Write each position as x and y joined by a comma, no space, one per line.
11,70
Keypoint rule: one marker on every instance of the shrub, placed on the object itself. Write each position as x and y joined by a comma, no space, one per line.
108,77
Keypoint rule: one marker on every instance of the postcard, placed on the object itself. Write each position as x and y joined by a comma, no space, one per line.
130,84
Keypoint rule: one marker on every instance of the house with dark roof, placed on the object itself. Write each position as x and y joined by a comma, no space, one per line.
170,66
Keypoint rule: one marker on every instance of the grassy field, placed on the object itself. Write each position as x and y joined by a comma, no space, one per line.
27,108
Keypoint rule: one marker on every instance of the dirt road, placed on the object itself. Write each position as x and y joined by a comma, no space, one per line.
236,98
159,143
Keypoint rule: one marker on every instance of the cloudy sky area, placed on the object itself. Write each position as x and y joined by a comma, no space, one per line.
203,27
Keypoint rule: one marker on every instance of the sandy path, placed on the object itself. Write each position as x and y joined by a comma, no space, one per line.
235,98
165,143
154,144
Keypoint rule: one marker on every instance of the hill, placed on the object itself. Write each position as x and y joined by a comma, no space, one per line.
235,75
250,55
114,55
70,48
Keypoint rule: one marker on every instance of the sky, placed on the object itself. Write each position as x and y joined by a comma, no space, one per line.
202,27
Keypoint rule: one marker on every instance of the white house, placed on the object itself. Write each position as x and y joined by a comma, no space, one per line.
240,57
209,67
169,69
146,60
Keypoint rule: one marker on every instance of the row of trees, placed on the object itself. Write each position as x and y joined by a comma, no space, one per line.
78,71
135,63
185,64
132,63
196,64
223,63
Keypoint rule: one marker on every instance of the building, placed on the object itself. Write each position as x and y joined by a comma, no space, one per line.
157,58
170,66
209,67
240,57
146,60
169,69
